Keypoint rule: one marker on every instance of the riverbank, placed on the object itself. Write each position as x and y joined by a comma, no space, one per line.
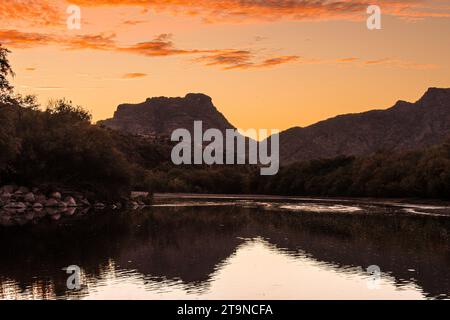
16,199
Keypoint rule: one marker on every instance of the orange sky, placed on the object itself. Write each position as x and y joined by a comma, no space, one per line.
266,64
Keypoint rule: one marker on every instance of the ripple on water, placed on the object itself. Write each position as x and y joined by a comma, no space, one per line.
310,207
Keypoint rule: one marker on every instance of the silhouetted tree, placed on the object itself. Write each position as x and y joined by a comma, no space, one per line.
5,71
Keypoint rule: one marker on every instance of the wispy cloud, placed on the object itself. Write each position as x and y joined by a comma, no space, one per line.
134,75
270,10
400,63
242,59
19,39
163,46
30,12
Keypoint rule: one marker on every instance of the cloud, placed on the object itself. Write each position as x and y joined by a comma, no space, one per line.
133,22
229,59
134,75
29,12
162,46
23,40
400,63
277,61
242,59
347,60
272,10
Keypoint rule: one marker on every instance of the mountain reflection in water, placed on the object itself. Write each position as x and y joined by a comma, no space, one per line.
227,249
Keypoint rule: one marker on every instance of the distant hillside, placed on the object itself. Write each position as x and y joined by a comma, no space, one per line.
161,116
405,126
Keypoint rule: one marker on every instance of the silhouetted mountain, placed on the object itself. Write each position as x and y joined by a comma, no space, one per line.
405,126
161,116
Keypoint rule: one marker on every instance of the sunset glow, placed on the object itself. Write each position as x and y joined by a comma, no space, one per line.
266,64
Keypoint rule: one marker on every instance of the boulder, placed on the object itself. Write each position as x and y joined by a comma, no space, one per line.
41,198
29,215
29,197
99,205
62,205
9,189
70,211
23,190
133,205
38,206
70,202
51,203
56,216
85,202
6,196
56,195
16,205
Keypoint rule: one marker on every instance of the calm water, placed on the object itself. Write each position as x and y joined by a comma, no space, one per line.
230,249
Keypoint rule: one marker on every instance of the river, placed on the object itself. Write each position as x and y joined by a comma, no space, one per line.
221,247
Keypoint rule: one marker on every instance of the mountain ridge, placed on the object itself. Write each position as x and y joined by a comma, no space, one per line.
404,126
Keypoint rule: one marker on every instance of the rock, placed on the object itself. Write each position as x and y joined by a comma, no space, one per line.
23,190
56,216
99,205
56,195
70,211
85,202
16,205
133,205
29,215
62,204
138,194
9,189
29,197
51,203
41,198
37,206
51,211
6,196
70,202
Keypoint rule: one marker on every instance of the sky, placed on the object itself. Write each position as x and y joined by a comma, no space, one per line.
267,64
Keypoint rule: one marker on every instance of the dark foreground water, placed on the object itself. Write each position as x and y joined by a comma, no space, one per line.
230,249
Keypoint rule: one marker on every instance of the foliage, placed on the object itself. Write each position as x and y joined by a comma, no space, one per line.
423,173
60,146
5,71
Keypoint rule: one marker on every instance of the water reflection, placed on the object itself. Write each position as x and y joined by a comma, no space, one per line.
244,249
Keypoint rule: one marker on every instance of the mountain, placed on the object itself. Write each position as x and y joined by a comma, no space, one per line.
405,126
161,115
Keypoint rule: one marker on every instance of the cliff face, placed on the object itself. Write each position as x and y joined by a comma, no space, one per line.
405,126
161,116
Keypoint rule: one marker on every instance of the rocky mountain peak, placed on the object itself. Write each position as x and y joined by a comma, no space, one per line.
162,115
435,96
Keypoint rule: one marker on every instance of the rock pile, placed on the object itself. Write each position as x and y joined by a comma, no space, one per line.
14,198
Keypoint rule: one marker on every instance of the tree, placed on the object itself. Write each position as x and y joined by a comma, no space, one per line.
63,108
6,88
